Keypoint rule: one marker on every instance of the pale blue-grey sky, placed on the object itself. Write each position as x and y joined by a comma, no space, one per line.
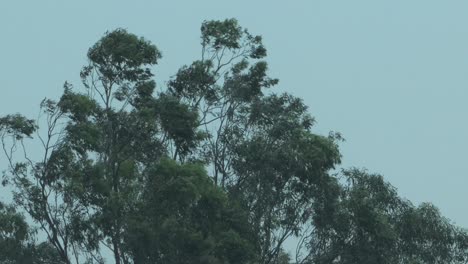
391,76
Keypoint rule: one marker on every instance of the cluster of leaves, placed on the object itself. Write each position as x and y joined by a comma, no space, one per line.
16,243
212,169
372,224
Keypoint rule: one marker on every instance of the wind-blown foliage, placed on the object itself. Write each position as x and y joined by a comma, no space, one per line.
214,168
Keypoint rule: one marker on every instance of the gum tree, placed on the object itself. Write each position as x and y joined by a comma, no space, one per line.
213,168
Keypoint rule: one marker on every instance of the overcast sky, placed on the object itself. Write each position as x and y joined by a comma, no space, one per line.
391,76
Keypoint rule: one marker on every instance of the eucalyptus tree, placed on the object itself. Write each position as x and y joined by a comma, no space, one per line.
41,187
14,236
213,168
259,145
17,244
99,148
370,223
184,218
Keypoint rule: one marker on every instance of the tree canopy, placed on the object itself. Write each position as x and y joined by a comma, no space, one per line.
213,168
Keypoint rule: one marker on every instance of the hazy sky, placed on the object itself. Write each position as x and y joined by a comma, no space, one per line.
391,76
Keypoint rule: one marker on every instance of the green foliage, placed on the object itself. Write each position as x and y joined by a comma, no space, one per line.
17,126
221,33
195,81
119,56
227,33
281,169
371,224
14,234
214,169
183,218
16,244
79,107
179,122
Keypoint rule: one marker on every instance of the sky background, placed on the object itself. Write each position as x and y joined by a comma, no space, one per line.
391,76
